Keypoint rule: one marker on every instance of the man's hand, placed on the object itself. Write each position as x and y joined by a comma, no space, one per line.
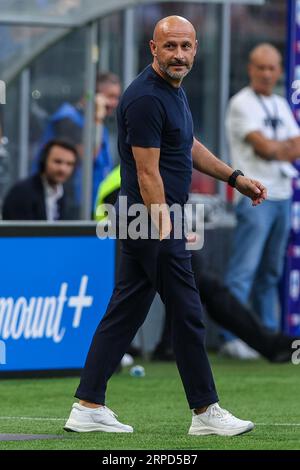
100,107
251,188
165,225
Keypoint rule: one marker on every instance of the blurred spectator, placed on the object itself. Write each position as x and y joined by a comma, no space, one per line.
264,140
41,196
68,121
227,311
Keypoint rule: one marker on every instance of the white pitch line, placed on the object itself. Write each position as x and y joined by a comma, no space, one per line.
277,424
29,418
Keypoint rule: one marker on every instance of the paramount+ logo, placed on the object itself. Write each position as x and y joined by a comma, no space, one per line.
2,353
2,343
2,92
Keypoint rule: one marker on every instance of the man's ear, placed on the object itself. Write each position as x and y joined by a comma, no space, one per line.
152,47
196,47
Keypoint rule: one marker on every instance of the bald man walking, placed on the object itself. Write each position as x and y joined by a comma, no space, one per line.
264,139
158,150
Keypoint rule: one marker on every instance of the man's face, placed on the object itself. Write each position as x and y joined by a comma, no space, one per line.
60,165
174,50
111,92
264,72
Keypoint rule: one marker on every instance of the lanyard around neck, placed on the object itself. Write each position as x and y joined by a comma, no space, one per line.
272,120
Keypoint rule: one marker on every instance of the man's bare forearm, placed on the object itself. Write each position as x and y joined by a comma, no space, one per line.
206,162
274,150
281,151
152,189
294,148
153,194
270,149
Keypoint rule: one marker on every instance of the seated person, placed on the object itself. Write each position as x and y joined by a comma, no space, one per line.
41,196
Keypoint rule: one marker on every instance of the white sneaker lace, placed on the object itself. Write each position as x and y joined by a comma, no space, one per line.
110,412
219,412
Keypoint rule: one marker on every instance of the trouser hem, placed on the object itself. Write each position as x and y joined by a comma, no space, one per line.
92,397
205,401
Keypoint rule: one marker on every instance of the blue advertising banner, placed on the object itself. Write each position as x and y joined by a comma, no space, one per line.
291,278
53,293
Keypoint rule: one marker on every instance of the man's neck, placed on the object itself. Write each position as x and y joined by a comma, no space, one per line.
260,92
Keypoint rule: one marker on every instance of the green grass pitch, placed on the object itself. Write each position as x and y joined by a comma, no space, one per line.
155,406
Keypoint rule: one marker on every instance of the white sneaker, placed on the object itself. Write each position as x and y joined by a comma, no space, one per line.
216,420
237,349
83,419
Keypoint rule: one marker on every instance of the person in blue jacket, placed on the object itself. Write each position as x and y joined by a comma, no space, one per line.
67,123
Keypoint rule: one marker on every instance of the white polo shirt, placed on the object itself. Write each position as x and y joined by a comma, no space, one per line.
248,112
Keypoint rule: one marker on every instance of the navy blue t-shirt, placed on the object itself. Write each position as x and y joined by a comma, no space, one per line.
153,113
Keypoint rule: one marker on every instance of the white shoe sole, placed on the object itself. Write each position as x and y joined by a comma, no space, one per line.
73,426
205,431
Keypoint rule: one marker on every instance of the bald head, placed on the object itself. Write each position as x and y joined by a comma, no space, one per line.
173,24
264,68
264,52
173,47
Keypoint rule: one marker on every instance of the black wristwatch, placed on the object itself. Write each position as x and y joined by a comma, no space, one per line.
232,178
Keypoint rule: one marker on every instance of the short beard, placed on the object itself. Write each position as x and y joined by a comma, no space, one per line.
174,75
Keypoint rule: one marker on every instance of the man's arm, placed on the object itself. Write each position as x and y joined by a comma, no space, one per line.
206,162
268,149
152,188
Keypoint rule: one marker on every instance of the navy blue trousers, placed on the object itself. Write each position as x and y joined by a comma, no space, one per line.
147,266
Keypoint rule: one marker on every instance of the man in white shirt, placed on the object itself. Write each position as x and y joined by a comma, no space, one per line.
264,139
